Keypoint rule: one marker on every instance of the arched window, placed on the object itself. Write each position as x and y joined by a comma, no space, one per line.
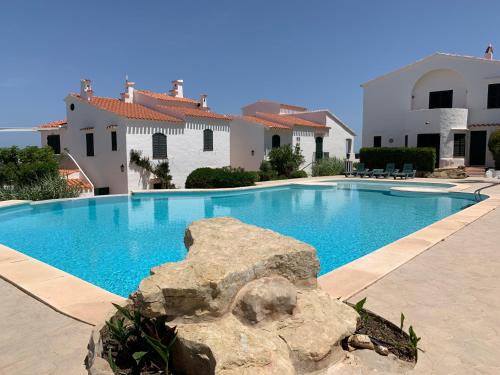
159,146
276,140
319,148
208,140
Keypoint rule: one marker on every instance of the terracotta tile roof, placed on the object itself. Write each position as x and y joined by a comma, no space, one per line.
66,172
183,112
266,123
293,107
53,124
289,120
166,97
75,182
129,110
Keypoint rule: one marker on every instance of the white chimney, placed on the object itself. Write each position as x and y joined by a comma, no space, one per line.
128,95
203,101
177,88
488,54
86,89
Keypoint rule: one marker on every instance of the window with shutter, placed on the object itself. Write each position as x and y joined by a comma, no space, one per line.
159,146
208,140
459,145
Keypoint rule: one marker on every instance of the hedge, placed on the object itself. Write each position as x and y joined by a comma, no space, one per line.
422,158
494,147
210,178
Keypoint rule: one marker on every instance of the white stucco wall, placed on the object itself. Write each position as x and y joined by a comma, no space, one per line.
184,148
388,103
245,137
103,168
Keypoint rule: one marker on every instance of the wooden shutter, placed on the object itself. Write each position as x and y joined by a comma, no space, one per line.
208,140
114,145
159,146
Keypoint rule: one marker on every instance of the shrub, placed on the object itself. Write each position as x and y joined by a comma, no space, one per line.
49,187
19,167
285,159
266,171
227,177
494,147
298,174
328,167
423,159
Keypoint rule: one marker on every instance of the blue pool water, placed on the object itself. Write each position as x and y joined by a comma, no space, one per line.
112,242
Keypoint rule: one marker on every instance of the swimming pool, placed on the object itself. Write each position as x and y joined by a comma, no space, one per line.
113,242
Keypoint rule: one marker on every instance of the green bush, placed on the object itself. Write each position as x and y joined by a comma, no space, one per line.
494,147
328,167
266,172
298,174
19,167
285,159
423,159
211,178
48,187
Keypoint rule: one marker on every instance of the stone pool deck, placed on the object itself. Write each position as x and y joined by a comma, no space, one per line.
451,296
449,293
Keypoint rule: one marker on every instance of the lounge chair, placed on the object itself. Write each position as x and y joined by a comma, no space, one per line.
360,168
366,173
389,171
407,171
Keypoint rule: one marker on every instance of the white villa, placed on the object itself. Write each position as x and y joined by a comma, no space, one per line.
264,125
446,101
99,133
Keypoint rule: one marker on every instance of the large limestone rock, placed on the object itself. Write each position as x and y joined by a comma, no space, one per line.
245,301
224,255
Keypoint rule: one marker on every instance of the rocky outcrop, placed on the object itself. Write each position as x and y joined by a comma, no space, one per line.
245,301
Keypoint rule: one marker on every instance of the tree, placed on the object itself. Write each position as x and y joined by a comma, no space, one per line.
161,170
19,167
285,159
494,147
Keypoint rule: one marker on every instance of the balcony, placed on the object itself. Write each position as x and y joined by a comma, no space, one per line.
436,120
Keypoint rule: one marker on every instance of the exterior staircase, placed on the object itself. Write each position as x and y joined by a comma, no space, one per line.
475,171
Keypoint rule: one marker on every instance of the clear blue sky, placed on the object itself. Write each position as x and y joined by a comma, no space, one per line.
312,53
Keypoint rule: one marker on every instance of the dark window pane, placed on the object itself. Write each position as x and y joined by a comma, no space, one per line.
494,95
377,141
113,141
159,146
441,99
406,140
89,137
276,141
458,145
319,148
208,140
54,142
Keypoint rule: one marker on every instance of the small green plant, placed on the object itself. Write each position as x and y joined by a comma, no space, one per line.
494,147
359,307
413,341
402,321
139,343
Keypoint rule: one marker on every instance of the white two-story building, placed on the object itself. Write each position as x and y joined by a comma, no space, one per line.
100,132
449,102
264,125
